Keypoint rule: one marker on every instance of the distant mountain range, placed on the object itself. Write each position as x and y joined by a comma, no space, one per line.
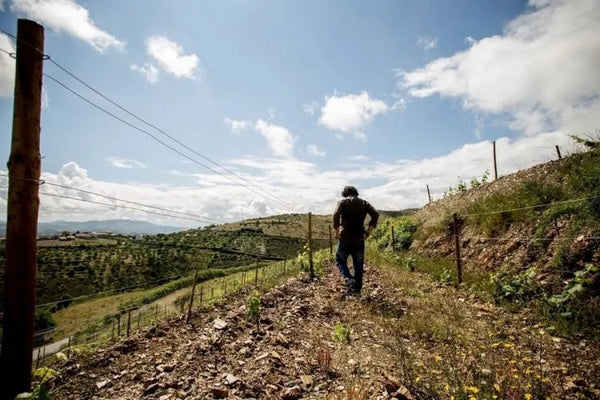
119,226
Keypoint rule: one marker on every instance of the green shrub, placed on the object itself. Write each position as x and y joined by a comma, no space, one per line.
341,333
253,313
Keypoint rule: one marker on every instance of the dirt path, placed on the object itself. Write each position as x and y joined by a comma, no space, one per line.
406,338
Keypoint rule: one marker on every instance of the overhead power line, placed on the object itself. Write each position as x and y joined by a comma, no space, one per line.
163,143
142,120
45,182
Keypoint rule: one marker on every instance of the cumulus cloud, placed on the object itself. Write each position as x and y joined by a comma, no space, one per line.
70,17
237,126
427,43
315,150
351,113
149,71
7,67
125,163
170,57
279,139
542,71
394,185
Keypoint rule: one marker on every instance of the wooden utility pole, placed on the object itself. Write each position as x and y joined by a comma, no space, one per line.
558,152
457,247
428,193
495,165
24,167
310,256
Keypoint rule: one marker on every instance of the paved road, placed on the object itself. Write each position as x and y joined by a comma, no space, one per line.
50,349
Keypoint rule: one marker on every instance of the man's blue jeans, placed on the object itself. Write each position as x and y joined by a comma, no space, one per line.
357,251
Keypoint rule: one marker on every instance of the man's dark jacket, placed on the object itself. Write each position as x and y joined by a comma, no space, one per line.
350,214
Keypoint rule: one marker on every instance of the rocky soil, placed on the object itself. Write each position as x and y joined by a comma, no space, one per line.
400,335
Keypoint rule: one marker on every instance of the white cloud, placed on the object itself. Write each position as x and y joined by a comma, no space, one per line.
1,5
125,163
279,139
427,43
7,67
351,113
540,72
397,184
149,71
310,108
170,57
237,126
67,16
359,157
315,150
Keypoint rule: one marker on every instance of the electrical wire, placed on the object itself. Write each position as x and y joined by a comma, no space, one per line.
87,296
149,134
531,207
163,132
45,182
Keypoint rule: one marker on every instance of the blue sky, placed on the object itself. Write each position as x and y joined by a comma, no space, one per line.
301,98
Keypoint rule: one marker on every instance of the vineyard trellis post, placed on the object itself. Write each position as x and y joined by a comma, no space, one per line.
495,165
456,226
189,314
310,255
24,167
330,242
256,273
128,321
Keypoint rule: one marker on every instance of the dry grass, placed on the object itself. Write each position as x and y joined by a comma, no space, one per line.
451,344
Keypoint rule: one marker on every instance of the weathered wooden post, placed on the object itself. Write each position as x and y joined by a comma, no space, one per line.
393,240
189,314
128,321
428,193
256,273
24,168
310,256
330,242
558,152
495,165
118,325
457,247
201,293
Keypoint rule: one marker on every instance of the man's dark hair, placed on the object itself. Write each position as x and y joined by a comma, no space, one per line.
349,191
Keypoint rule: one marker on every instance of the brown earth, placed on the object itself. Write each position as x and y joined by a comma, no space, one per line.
409,338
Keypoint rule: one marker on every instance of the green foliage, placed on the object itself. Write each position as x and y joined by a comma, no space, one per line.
43,320
404,231
462,187
341,333
39,391
320,260
510,285
253,313
582,283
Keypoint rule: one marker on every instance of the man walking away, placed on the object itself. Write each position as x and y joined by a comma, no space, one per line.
350,214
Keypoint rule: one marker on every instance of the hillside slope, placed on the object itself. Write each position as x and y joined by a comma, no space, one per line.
407,338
